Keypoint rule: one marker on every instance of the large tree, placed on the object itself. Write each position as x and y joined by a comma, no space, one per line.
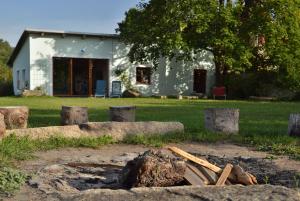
277,22
5,52
182,28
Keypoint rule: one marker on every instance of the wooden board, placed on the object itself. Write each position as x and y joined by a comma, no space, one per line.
195,159
192,178
198,173
209,174
226,172
247,178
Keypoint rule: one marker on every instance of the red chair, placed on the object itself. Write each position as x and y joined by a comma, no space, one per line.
219,91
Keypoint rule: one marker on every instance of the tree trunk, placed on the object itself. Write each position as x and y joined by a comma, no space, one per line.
2,126
153,169
122,114
15,117
294,125
74,115
223,120
219,70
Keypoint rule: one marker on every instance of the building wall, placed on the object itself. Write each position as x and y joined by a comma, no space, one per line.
43,49
171,78
20,65
174,78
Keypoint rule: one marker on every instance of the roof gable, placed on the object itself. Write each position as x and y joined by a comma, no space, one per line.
29,32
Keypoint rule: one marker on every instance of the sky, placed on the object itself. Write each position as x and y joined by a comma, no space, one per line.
96,16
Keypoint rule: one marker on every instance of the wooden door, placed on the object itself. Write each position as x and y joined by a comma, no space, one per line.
200,80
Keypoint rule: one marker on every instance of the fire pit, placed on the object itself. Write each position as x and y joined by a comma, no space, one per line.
79,177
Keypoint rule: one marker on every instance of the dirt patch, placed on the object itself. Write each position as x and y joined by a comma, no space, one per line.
83,169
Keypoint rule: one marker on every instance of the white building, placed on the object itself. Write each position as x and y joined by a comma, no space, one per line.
61,63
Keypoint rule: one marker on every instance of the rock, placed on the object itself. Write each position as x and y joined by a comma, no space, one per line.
121,130
116,130
29,93
122,113
15,117
53,169
74,115
153,169
46,132
193,193
124,158
2,126
294,125
223,120
129,93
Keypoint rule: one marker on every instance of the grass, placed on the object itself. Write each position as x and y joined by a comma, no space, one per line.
262,125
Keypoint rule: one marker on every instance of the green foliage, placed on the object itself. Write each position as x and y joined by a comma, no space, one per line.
5,71
183,28
10,180
22,148
278,21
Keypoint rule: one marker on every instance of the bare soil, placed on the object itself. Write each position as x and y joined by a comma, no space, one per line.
115,154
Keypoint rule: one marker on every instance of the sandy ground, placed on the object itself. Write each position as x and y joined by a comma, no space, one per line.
107,153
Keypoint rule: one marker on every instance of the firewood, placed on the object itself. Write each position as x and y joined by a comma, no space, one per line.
226,172
242,177
192,178
209,174
237,175
199,161
198,173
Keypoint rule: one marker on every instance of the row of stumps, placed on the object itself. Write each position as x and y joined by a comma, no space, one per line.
73,115
221,120
225,120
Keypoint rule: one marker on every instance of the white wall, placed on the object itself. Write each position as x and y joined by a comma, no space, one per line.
43,49
171,78
22,63
174,78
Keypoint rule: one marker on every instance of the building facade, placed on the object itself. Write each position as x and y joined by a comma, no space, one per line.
69,64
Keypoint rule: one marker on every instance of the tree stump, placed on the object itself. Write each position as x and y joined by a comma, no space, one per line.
223,120
122,113
294,125
153,169
2,126
15,117
73,115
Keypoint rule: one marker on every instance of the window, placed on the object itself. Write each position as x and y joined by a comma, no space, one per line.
18,80
143,75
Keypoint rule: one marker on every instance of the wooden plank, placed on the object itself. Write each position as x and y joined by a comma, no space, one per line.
247,178
209,174
90,66
199,174
192,178
226,172
199,161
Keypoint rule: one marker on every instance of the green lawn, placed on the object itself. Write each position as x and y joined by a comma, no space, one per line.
262,124
255,118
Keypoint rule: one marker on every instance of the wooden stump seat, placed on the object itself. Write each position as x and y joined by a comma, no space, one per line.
294,125
2,126
15,117
223,120
74,115
122,113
